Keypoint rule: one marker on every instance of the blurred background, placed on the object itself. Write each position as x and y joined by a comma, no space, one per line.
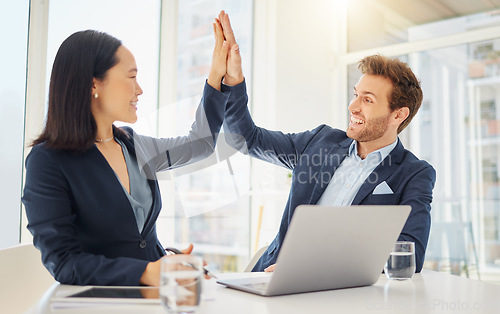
300,63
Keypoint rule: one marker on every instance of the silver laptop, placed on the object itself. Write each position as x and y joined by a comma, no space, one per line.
330,248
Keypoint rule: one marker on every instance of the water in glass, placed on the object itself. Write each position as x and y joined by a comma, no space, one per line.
400,265
180,291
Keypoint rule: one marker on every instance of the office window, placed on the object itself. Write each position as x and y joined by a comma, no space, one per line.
457,130
136,25
208,203
14,30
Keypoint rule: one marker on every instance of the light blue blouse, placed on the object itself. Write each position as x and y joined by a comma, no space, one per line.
140,196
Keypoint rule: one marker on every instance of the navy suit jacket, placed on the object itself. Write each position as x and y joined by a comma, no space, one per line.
80,216
315,155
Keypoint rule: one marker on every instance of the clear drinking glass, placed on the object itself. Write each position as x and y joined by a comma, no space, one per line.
401,262
180,283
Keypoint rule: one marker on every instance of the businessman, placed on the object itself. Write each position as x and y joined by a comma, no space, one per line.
364,165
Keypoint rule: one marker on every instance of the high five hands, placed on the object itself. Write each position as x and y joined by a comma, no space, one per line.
226,59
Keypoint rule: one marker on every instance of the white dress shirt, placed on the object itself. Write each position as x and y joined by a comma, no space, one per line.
351,174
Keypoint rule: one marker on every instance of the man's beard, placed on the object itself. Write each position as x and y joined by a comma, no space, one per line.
373,130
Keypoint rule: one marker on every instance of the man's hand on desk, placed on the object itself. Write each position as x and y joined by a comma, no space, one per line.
270,269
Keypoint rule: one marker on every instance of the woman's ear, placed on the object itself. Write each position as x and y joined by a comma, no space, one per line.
95,87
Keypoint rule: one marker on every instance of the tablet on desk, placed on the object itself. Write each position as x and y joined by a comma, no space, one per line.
143,295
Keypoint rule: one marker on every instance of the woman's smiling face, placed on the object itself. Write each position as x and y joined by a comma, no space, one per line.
118,92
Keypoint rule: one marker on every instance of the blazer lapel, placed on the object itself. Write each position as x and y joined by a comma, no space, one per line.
328,167
387,167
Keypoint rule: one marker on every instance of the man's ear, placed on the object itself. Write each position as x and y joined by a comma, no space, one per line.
401,114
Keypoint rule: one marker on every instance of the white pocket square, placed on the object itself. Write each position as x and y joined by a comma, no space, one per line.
383,188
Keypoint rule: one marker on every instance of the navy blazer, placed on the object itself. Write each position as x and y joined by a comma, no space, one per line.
79,214
315,155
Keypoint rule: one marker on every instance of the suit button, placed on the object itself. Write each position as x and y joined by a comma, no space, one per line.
142,244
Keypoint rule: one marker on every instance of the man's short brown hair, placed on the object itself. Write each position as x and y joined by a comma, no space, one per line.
406,91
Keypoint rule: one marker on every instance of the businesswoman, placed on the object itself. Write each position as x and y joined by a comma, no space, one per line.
91,194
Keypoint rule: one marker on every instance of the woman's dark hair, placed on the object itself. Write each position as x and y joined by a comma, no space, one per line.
82,56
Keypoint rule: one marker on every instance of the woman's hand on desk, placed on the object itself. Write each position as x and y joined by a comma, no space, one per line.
188,251
270,269
151,275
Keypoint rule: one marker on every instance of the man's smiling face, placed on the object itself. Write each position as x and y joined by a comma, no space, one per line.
369,109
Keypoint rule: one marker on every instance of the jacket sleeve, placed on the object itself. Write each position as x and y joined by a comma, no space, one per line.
167,153
418,194
272,146
47,200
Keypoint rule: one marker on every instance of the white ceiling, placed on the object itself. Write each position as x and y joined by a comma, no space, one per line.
425,11
373,23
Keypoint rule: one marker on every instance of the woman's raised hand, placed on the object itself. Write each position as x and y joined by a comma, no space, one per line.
219,57
234,72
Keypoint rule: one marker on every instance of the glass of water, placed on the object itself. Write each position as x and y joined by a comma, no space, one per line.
180,283
401,262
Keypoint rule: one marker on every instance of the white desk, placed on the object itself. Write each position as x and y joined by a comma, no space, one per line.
428,292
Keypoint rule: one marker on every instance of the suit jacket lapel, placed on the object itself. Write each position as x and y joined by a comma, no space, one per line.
328,167
381,173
